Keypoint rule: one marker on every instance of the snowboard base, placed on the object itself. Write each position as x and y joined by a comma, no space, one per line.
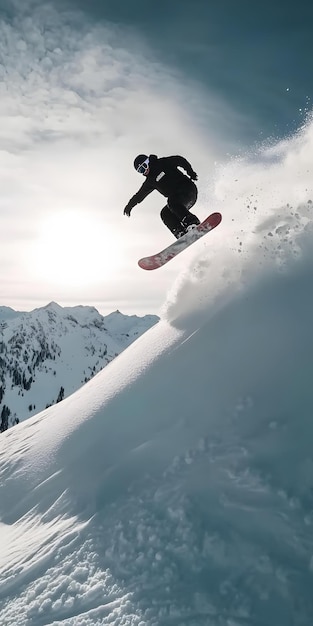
159,259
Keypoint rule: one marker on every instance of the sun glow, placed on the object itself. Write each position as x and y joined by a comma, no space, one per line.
74,249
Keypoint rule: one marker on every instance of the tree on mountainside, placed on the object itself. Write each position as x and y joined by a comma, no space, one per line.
4,418
61,395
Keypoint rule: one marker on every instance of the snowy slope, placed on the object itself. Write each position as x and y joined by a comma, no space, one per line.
7,313
175,488
50,352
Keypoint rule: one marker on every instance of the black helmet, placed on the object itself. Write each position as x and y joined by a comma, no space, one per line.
139,160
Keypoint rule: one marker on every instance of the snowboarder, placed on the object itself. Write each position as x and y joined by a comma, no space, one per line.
180,190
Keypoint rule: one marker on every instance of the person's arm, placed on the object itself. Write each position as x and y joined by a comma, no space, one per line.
180,161
143,192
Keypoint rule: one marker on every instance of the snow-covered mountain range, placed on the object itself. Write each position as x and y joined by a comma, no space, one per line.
48,353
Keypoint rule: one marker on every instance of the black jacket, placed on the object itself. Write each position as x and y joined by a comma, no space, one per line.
164,177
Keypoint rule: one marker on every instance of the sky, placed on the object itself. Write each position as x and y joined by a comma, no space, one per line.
85,87
176,486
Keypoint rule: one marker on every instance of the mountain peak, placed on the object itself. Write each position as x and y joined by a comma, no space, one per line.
53,305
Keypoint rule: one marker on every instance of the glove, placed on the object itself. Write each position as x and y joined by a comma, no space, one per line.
127,210
193,176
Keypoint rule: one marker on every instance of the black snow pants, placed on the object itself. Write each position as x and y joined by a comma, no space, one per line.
176,215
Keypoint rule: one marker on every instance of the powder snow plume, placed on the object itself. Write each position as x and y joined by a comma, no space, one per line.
266,199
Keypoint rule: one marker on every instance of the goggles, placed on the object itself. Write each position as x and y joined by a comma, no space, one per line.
143,167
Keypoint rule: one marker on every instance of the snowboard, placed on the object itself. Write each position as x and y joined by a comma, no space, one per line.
159,259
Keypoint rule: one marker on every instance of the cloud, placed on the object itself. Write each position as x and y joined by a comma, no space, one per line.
77,102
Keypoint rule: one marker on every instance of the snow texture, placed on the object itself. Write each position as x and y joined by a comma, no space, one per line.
176,486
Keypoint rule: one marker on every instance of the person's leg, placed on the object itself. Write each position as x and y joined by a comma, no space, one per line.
179,204
172,222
